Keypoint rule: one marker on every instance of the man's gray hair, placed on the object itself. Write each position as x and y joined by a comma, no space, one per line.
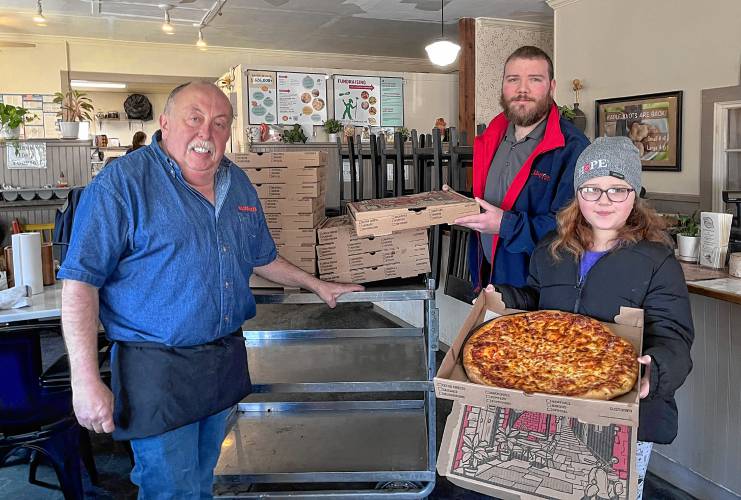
173,94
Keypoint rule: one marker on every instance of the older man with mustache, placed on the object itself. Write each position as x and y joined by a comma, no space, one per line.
164,242
523,169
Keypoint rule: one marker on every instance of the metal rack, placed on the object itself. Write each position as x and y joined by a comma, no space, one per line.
337,413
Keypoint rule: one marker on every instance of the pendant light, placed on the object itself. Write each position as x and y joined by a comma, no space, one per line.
201,43
39,18
442,52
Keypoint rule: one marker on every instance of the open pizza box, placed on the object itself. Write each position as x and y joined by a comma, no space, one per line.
515,445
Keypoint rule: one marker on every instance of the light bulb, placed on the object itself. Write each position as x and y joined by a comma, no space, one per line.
39,18
443,52
166,26
201,43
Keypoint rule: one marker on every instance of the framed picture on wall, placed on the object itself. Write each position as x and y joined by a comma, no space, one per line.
652,121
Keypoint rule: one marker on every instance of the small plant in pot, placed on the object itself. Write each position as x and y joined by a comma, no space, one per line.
292,135
688,237
332,127
11,119
75,106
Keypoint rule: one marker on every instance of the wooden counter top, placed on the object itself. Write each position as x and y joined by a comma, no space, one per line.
715,283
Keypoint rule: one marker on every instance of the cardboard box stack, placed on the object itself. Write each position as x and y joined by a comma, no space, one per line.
291,187
514,445
343,256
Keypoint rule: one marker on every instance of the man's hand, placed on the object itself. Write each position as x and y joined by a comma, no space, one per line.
646,379
93,405
329,292
487,222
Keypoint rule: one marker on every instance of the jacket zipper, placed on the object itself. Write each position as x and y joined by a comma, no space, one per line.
579,287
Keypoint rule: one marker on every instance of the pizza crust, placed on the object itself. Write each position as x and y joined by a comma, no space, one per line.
551,352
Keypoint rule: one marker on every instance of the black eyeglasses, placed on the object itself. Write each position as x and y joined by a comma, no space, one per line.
615,195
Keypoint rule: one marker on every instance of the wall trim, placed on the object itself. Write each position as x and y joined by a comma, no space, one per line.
557,4
686,479
510,23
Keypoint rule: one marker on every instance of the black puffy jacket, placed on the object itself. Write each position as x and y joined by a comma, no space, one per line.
644,275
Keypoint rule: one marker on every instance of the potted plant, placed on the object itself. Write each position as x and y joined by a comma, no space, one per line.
292,135
688,237
404,133
75,106
332,127
11,119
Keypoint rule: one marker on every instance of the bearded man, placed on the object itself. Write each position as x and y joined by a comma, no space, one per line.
523,170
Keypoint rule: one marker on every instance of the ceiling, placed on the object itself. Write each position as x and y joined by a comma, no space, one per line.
398,28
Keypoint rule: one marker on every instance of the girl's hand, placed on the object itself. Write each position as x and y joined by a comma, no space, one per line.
645,360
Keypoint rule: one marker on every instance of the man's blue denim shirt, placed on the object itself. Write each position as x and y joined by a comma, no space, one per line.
170,267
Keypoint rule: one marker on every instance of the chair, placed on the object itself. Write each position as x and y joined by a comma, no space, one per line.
46,230
37,418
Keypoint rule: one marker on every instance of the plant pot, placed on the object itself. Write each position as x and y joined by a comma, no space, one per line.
689,247
10,133
70,130
580,119
332,138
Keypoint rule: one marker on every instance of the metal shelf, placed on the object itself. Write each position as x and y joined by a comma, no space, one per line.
400,290
362,441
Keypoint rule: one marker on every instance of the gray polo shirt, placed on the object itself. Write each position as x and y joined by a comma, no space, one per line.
509,158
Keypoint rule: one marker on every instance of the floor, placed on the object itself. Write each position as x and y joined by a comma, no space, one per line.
113,463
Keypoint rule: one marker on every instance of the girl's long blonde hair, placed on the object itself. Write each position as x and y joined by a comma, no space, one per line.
575,233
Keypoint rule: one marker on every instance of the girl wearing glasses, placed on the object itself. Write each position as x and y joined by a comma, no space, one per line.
611,250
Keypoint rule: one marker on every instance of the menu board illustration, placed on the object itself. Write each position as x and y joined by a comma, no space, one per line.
357,99
302,98
262,99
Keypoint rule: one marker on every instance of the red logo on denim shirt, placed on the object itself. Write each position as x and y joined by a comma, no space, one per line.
246,208
542,176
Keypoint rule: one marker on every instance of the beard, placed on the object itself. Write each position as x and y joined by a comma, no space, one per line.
521,117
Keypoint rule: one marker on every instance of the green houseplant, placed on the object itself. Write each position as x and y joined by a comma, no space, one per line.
688,237
75,106
332,127
292,135
404,133
11,119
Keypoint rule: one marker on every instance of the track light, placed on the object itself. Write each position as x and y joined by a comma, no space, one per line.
166,26
201,43
39,18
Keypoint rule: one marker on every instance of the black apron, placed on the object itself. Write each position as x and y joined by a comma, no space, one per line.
157,388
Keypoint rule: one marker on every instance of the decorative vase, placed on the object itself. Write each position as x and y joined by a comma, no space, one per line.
10,133
70,130
332,138
689,247
580,119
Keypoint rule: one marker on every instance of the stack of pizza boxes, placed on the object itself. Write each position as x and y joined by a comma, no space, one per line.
291,187
511,444
343,256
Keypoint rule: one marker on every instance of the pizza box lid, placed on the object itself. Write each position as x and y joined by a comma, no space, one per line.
452,383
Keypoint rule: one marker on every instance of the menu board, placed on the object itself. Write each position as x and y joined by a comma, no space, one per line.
302,98
261,86
43,124
392,102
369,100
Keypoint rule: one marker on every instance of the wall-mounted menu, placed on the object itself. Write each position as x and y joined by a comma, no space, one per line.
368,100
302,98
262,99
44,111
392,102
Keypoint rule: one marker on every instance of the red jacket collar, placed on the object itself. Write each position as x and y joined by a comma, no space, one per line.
552,139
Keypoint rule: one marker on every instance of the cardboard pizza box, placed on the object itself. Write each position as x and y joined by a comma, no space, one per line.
286,175
340,231
304,190
532,446
303,252
343,263
293,236
452,383
368,274
294,221
286,159
292,206
386,215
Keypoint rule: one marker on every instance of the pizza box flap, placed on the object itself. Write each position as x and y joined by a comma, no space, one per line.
451,381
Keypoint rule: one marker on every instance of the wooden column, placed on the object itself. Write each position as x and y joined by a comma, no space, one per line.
467,78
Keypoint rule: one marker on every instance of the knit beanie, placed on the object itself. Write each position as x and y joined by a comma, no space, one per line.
609,156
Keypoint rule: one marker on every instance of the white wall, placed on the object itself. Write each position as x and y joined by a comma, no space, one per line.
124,130
631,47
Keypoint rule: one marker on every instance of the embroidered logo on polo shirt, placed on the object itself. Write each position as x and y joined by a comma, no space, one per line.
246,208
541,175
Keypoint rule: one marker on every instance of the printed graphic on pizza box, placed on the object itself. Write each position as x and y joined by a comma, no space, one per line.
538,455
